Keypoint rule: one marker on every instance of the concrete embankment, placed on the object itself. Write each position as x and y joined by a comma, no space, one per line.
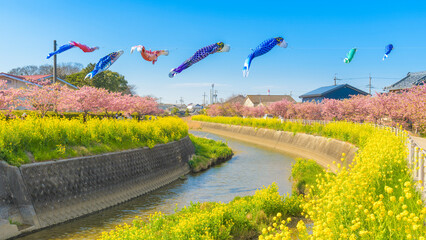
39,195
323,150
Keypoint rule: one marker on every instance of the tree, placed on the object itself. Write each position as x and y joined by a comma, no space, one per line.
109,80
174,111
42,99
86,99
9,98
62,69
143,105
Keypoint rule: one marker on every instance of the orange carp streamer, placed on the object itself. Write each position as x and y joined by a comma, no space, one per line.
148,55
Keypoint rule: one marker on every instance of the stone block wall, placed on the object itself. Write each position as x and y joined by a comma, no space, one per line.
65,189
321,149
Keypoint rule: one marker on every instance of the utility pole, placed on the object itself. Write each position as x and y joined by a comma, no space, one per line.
335,79
54,62
211,94
369,85
204,100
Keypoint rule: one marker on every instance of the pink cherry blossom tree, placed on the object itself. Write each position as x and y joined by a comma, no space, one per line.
143,106
10,98
42,99
86,99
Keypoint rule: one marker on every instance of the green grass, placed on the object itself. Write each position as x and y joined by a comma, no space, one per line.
242,218
208,152
304,173
38,139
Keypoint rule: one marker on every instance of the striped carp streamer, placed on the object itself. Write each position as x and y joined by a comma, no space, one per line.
263,48
104,63
150,56
388,49
200,55
70,45
350,56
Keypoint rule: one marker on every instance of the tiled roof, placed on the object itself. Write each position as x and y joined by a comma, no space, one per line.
18,78
320,92
237,99
412,79
256,99
33,79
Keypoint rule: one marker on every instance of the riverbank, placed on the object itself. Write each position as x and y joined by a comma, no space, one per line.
36,139
40,195
208,153
221,183
323,150
375,197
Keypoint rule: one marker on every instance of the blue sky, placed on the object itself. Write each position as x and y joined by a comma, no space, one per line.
319,33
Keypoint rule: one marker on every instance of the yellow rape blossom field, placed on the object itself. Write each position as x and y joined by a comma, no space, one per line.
243,218
375,198
40,139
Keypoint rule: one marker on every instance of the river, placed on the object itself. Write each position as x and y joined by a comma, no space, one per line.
251,168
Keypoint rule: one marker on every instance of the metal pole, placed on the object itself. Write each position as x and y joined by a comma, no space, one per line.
212,95
54,62
369,85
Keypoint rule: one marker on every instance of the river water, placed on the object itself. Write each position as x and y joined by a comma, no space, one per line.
251,168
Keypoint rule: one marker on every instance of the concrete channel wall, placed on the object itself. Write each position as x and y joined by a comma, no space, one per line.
321,149
39,195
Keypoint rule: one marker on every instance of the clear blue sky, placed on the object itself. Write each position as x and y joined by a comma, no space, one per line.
319,33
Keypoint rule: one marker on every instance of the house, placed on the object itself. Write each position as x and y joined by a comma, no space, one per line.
236,99
264,100
194,108
339,92
412,79
14,81
198,107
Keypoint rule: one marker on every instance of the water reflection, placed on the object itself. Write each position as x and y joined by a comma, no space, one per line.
249,169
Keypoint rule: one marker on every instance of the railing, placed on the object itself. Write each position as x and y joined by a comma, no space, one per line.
416,157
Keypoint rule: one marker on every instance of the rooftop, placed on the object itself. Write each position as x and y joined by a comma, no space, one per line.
35,79
256,99
412,79
320,92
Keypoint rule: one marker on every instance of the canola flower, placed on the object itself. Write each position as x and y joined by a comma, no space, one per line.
374,198
54,137
242,217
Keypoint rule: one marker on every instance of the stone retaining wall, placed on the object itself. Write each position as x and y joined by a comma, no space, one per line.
321,149
61,190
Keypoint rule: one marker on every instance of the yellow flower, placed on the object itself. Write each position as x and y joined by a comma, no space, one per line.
408,195
388,189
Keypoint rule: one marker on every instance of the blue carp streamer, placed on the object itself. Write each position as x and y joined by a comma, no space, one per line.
200,55
263,48
70,45
388,49
61,49
104,63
